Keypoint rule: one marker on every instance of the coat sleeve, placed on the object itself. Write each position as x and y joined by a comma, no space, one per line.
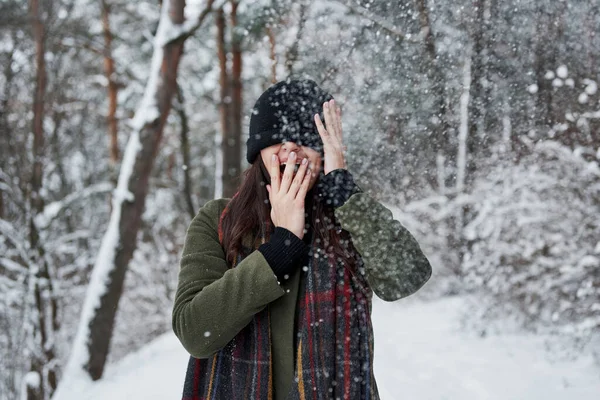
213,302
395,266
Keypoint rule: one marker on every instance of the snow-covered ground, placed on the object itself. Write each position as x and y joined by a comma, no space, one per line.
421,353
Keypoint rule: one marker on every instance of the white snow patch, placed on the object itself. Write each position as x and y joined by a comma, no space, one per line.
157,371
591,87
570,82
589,261
148,111
32,379
421,352
562,71
533,89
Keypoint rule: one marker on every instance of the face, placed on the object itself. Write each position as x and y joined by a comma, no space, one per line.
283,151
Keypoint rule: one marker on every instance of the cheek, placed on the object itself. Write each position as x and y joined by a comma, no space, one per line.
315,175
266,156
318,163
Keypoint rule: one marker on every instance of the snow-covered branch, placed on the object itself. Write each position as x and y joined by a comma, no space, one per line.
52,210
8,231
12,266
195,13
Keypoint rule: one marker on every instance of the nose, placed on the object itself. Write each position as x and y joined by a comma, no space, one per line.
286,149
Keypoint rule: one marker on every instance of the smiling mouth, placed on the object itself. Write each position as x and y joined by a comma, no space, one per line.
282,168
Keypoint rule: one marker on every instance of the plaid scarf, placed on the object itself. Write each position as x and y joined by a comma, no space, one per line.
334,345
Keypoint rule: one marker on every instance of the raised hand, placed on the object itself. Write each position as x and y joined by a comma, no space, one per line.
287,194
331,136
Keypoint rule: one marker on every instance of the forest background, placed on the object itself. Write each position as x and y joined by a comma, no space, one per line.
479,120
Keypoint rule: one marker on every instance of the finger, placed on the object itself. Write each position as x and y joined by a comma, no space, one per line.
299,177
330,123
338,112
274,172
304,187
286,180
322,131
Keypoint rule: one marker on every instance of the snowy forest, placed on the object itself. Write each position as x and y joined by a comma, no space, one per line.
477,122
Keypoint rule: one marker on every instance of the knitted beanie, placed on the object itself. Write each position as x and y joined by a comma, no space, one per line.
284,112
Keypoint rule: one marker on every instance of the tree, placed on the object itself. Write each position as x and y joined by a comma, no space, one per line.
91,345
112,86
230,106
41,379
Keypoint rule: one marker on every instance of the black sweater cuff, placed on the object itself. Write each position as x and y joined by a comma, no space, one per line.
283,251
337,187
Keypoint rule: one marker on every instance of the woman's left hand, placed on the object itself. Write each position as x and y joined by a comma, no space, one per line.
331,136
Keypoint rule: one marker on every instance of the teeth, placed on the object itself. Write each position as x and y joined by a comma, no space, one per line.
296,167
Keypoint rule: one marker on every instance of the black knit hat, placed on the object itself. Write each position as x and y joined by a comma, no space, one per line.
284,112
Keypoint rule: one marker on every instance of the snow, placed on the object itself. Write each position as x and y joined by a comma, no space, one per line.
147,111
533,88
562,71
445,362
591,87
156,372
30,380
421,352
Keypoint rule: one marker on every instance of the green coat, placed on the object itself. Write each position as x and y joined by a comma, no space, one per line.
213,302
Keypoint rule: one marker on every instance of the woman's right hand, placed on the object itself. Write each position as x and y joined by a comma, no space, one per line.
287,195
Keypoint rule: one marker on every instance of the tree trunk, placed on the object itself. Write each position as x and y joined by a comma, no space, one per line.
272,54
185,154
224,103
441,133
477,97
230,104
109,70
150,135
292,54
235,145
45,305
544,60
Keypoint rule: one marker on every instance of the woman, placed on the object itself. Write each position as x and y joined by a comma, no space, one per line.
275,285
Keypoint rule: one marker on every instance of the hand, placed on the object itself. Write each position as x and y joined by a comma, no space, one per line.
332,136
287,196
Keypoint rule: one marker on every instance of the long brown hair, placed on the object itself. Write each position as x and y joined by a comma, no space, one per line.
249,213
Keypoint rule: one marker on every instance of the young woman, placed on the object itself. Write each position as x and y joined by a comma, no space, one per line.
275,284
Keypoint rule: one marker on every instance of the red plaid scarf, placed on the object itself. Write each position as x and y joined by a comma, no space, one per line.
334,346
